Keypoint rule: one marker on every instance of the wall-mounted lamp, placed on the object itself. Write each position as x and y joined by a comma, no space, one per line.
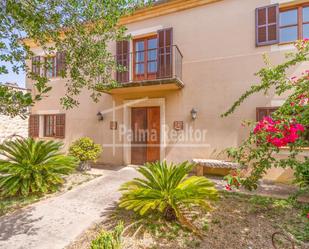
193,114
100,116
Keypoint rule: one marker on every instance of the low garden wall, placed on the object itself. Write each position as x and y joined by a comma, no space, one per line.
12,126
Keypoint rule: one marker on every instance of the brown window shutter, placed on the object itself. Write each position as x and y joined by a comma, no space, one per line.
60,63
267,25
165,58
123,59
60,125
34,126
35,66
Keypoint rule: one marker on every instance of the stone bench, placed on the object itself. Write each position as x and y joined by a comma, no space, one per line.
214,167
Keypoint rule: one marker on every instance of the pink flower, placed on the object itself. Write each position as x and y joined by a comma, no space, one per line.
277,135
292,104
228,187
308,215
299,127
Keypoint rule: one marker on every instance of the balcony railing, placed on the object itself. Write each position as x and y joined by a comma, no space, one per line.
151,65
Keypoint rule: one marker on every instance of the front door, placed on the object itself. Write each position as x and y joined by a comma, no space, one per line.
145,145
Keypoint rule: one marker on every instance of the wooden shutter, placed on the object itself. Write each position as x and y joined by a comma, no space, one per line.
267,25
34,126
262,112
123,59
165,58
35,66
60,125
60,63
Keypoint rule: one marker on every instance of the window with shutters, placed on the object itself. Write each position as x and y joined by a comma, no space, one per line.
54,65
294,23
54,125
262,112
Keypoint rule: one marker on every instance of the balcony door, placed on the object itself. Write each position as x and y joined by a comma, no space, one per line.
145,58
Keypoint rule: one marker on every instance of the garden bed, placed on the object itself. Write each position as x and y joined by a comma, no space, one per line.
11,204
238,221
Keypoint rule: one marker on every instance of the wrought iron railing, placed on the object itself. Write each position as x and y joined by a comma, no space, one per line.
150,65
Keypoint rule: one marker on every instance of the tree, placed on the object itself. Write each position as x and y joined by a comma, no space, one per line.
287,127
82,29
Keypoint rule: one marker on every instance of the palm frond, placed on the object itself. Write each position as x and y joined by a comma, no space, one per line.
163,187
32,167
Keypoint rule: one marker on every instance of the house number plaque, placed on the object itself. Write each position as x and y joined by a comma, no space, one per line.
113,125
178,125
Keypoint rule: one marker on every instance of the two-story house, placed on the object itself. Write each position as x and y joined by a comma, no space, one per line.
187,62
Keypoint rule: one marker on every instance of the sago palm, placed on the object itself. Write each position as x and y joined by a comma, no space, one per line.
32,167
167,189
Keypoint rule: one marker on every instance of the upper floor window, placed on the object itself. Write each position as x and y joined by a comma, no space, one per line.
51,64
294,24
54,65
145,58
151,57
275,24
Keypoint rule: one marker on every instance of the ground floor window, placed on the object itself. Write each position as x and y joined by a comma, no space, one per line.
51,125
262,112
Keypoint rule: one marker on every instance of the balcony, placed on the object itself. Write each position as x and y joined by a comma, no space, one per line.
153,69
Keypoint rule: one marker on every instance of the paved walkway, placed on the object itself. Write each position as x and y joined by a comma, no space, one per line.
55,222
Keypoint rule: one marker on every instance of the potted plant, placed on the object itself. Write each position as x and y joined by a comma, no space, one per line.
86,151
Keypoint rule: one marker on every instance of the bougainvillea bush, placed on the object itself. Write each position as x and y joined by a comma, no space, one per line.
287,128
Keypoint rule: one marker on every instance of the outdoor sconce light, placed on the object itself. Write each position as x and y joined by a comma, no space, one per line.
193,114
100,116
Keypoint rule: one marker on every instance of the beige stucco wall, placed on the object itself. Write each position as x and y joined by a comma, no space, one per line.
219,61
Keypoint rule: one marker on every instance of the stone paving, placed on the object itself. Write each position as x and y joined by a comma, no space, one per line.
55,222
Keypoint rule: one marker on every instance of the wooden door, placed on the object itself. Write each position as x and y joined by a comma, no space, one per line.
139,139
153,127
145,145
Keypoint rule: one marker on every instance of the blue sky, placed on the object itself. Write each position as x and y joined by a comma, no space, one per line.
12,77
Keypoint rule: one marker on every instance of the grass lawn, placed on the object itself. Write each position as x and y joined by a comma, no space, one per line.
238,221
11,204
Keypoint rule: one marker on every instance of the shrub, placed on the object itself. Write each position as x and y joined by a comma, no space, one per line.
32,167
167,189
109,240
302,174
85,149
287,126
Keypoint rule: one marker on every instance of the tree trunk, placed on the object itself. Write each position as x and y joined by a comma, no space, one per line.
169,214
84,166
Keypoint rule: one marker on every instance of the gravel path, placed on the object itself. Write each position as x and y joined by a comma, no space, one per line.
55,222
